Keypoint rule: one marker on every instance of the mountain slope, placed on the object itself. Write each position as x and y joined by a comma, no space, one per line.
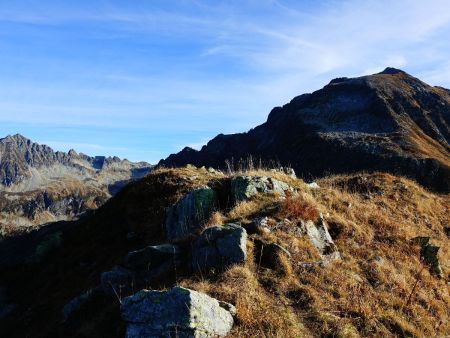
38,185
389,122
370,292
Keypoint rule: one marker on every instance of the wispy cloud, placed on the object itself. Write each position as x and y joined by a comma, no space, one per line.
190,69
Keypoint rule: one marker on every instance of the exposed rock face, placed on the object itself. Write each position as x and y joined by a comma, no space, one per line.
38,185
178,312
320,237
117,281
389,121
219,247
185,219
429,254
153,256
144,267
244,187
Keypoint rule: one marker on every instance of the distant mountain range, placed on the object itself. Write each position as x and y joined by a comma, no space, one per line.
39,185
390,121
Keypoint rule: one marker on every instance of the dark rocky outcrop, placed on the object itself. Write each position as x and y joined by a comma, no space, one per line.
185,219
429,254
389,122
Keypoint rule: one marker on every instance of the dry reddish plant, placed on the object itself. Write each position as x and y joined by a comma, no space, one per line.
297,207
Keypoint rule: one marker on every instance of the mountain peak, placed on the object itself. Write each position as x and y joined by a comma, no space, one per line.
15,137
374,122
392,71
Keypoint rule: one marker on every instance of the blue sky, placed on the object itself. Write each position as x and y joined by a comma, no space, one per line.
142,79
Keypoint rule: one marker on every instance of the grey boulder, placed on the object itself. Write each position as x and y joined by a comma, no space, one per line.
219,247
185,219
320,237
177,312
244,187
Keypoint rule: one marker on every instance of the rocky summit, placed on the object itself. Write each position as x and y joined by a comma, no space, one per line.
390,121
39,185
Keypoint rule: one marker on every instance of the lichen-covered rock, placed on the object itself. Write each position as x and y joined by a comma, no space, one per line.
244,187
153,256
219,247
320,237
185,219
429,254
178,312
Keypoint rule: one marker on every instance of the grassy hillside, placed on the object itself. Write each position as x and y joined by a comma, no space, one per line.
380,287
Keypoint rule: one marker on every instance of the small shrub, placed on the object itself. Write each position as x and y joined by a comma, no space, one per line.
297,207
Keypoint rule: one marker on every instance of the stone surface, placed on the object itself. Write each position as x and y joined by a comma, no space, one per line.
117,280
178,312
258,226
313,185
219,247
429,254
153,256
244,187
185,219
320,237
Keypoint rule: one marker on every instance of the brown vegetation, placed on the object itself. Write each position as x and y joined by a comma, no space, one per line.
375,290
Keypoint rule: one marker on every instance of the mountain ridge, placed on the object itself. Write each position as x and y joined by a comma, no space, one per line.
389,121
39,185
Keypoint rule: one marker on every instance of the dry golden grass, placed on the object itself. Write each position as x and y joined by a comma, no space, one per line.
372,219
246,209
217,218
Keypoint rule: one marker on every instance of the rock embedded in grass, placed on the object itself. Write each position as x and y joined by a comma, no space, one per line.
219,247
185,219
429,254
320,237
178,312
244,187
